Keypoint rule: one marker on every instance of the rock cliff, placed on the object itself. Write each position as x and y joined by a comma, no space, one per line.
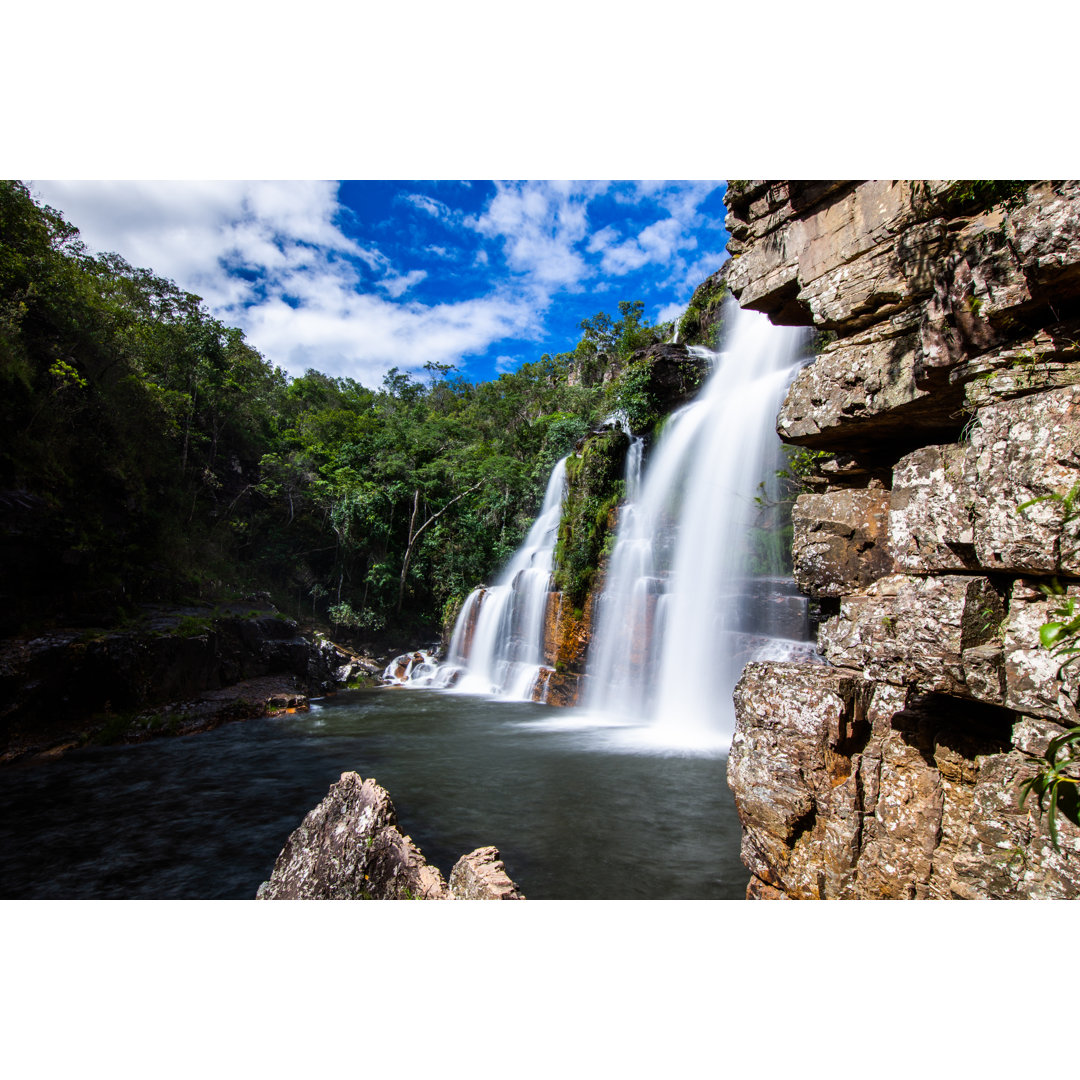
947,396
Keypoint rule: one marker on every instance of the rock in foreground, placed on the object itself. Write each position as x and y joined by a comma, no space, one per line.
349,848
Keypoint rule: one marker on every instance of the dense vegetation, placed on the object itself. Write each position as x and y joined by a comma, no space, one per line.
151,454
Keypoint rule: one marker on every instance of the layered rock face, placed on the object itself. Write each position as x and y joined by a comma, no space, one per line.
349,848
948,397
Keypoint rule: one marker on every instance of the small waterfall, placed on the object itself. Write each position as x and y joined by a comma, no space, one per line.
682,611
498,639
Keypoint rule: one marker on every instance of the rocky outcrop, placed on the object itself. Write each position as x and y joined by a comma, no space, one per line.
480,875
170,671
949,399
852,789
349,848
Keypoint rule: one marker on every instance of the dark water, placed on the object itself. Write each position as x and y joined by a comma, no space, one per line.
577,812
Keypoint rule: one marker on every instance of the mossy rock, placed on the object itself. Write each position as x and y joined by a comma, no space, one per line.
595,486
700,323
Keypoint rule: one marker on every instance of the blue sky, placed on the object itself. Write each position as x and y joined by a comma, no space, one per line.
354,278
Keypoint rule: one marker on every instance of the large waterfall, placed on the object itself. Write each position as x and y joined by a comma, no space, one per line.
684,605
498,640
691,593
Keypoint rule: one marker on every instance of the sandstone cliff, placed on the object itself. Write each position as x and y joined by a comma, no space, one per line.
948,396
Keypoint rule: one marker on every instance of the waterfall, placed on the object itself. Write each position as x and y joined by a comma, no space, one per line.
498,639
682,609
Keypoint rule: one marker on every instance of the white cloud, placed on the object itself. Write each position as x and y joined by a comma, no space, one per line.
307,306
430,206
670,312
312,296
505,363
602,239
540,224
397,284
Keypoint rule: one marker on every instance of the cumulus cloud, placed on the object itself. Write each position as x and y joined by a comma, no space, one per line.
670,312
540,225
504,364
308,305
273,258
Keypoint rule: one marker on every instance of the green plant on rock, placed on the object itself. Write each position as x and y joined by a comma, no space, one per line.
634,396
700,323
1056,782
594,487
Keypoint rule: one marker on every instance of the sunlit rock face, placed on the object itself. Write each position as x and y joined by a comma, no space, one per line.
948,391
849,788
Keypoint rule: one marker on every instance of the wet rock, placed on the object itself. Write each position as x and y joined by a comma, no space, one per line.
840,541
568,631
60,685
914,631
349,848
480,875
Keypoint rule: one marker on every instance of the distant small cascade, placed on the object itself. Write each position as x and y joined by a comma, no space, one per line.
634,454
687,599
414,667
498,639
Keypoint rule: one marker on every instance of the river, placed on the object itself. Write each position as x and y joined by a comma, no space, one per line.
578,811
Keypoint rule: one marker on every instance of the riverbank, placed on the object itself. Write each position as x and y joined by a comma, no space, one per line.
165,671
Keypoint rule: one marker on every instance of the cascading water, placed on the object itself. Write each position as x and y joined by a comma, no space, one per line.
498,640
682,610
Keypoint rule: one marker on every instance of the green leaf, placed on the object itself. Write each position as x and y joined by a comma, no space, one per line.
1049,633
1051,818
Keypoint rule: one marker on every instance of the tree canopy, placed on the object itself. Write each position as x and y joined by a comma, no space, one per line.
151,454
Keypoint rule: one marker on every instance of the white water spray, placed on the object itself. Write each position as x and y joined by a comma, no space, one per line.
682,611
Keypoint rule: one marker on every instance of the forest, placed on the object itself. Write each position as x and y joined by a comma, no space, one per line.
152,455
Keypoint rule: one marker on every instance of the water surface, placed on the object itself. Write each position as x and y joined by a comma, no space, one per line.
578,811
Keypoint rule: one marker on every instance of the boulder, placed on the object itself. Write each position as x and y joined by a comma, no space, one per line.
349,848
480,875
